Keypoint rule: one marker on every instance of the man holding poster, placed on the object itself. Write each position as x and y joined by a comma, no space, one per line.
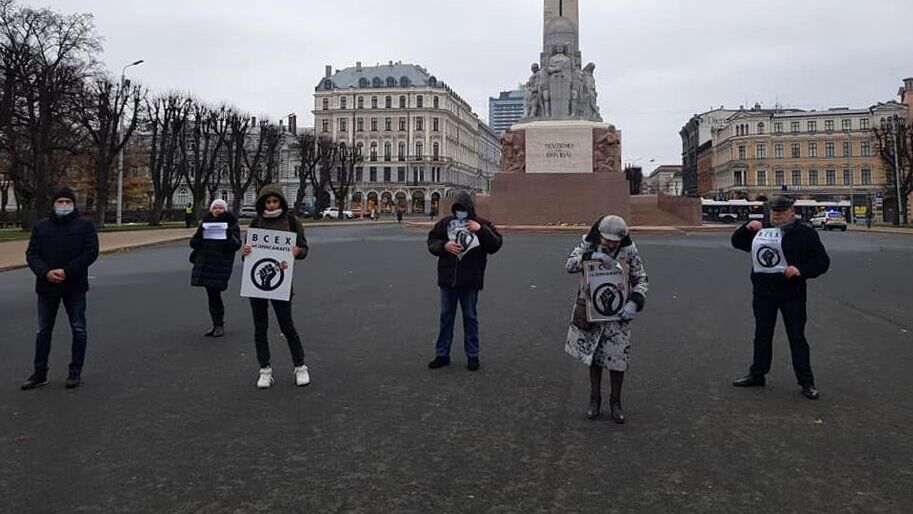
275,241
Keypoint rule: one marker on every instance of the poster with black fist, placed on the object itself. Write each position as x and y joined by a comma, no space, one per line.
460,234
607,290
270,267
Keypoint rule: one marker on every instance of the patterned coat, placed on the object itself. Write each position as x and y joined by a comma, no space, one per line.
607,344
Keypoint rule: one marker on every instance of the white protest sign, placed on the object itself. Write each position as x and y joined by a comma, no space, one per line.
270,267
767,251
458,233
215,231
606,291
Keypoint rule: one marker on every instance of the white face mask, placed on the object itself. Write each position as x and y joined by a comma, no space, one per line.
62,212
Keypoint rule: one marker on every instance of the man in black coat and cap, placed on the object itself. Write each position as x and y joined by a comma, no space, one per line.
462,243
60,251
785,254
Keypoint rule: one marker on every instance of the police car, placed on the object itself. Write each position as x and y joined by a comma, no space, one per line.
829,220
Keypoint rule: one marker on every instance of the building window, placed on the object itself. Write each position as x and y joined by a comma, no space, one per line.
847,177
831,177
343,125
778,127
388,102
388,124
778,149
360,125
829,149
797,177
402,151
401,174
761,128
374,102
360,104
436,124
437,103
373,124
388,152
326,104
391,82
325,126
847,149
866,148
761,151
419,124
741,152
794,127
866,177
360,149
372,174
436,151
778,178
738,178
402,102
362,82
420,101
373,152
402,124
359,174
344,103
829,125
813,126
813,177
813,149
847,124
864,124
419,150
797,151
387,174
762,177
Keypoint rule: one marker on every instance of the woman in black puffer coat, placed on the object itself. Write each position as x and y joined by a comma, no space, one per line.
214,247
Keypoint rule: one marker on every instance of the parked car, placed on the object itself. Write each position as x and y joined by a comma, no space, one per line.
829,220
306,210
248,211
333,213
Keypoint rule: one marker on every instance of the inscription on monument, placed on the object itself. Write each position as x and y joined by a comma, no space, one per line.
559,149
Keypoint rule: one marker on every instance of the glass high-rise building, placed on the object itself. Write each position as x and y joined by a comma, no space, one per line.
505,110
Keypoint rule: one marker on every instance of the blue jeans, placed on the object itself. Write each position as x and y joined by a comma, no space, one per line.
468,300
48,306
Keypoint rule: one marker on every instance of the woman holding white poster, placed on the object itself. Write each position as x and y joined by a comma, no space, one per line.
273,214
610,295
215,244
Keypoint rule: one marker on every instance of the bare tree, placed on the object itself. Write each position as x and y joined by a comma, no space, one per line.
269,139
168,115
103,106
327,161
894,138
201,152
46,58
348,158
309,159
241,167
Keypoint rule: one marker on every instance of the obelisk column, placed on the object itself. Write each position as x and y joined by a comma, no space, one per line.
569,9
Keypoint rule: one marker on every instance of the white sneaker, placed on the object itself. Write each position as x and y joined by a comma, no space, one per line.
302,377
266,379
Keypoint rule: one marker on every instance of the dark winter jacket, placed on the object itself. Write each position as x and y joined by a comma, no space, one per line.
286,222
214,259
468,273
70,244
802,248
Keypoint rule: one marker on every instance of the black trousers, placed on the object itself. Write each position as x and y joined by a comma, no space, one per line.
794,317
283,312
216,307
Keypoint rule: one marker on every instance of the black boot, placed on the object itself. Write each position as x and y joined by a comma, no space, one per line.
74,380
218,331
810,392
35,381
439,362
750,381
595,407
618,415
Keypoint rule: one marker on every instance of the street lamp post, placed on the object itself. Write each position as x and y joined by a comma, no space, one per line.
120,156
894,120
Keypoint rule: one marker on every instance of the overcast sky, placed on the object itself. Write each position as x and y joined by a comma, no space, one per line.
658,61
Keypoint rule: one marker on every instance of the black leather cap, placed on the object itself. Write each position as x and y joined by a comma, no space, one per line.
780,203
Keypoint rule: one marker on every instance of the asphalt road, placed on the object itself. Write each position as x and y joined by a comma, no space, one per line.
168,421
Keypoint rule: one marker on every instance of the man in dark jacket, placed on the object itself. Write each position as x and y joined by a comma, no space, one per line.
462,242
785,253
60,252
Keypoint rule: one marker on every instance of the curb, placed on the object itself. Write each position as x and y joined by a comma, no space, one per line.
546,229
117,249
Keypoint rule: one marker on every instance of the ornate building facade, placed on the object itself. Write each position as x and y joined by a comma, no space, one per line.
421,142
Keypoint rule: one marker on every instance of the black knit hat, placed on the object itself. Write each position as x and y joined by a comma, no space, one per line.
64,192
781,203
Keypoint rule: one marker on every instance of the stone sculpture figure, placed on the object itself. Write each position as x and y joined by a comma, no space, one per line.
534,94
560,82
606,150
513,152
589,100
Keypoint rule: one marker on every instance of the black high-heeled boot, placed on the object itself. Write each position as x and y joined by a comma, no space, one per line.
618,415
595,407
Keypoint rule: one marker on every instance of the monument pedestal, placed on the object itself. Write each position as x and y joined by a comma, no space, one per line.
553,198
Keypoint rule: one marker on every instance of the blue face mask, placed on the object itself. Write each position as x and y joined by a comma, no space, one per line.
462,215
62,212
